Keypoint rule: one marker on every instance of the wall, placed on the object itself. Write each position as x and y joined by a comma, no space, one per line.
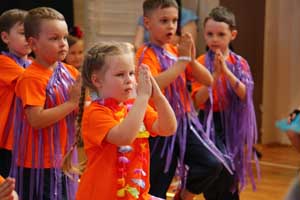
281,90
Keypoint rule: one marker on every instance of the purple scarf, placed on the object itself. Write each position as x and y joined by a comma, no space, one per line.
57,88
238,120
186,120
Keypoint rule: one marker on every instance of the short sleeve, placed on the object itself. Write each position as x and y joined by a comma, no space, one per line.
195,84
32,91
9,70
97,122
147,56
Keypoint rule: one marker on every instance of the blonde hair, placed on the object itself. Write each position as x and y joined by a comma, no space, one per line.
94,61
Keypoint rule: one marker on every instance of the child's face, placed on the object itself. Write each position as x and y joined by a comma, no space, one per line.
51,44
75,55
118,81
162,25
218,35
15,40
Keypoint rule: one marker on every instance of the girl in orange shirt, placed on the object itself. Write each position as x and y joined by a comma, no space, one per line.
116,127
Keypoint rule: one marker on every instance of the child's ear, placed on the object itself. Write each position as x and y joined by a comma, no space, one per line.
4,37
146,22
96,81
233,34
32,43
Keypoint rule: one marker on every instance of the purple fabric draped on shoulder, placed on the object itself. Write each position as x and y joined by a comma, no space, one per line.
186,120
60,186
238,120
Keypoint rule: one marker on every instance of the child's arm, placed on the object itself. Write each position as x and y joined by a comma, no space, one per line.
238,87
200,72
38,117
165,78
125,132
166,123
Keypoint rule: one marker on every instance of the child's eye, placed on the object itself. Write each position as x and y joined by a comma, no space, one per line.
164,21
209,34
132,73
221,34
120,74
175,21
53,38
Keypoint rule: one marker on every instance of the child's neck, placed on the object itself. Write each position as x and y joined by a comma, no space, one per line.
46,64
162,45
24,57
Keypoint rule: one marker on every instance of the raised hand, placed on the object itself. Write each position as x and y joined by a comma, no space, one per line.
75,90
185,45
144,86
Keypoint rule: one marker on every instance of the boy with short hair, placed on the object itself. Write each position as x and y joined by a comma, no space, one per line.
191,145
12,64
47,94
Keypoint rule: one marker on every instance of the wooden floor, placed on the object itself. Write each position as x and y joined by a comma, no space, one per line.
279,166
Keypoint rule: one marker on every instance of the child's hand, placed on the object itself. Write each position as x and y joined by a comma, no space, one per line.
7,189
144,86
185,45
217,64
221,60
75,91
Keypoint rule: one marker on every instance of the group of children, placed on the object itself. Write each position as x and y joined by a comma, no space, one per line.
142,126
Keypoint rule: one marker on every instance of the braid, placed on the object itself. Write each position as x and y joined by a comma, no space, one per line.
79,140
93,61
67,165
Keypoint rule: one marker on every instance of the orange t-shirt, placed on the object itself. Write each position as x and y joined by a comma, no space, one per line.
10,71
149,58
218,103
1,179
31,89
102,177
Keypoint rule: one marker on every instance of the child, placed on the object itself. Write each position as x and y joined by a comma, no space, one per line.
191,145
233,118
291,126
7,189
115,127
75,54
188,23
12,64
47,94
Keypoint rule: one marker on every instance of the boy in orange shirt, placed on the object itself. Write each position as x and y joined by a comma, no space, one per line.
231,106
47,95
200,161
12,64
116,127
